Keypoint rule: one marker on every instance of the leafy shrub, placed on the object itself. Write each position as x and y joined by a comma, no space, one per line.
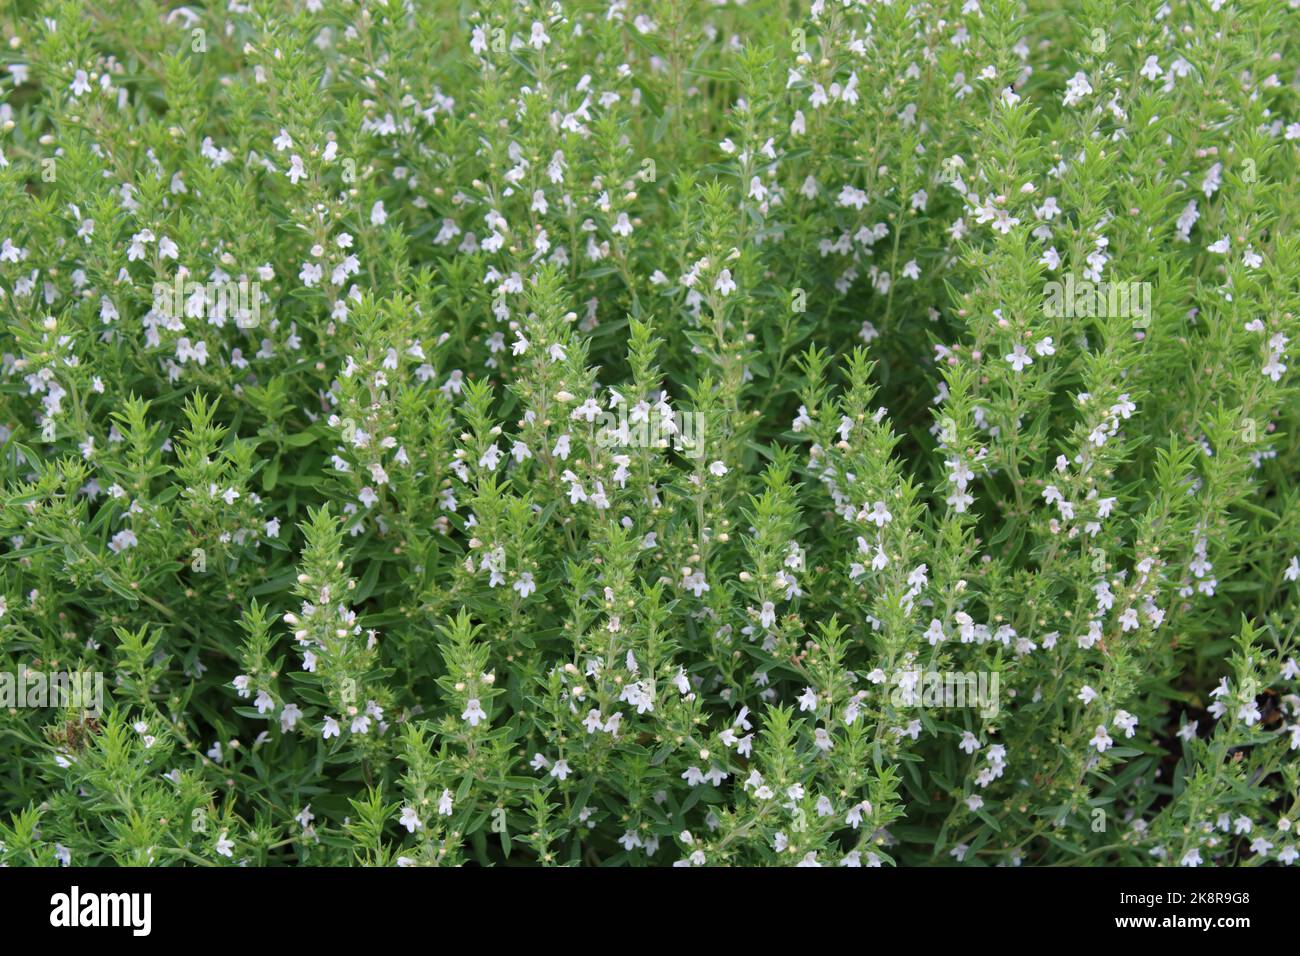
614,433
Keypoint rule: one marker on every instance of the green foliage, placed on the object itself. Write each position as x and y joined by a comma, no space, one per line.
609,434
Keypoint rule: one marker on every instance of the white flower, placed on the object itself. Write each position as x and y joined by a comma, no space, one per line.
80,84
934,633
1292,572
410,819
289,717
473,712
879,515
1076,88
123,540
1018,357
1101,740
136,249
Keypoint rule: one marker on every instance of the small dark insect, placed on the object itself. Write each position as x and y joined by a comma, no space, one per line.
1270,707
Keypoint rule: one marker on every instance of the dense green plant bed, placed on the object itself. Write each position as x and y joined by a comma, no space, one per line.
649,432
